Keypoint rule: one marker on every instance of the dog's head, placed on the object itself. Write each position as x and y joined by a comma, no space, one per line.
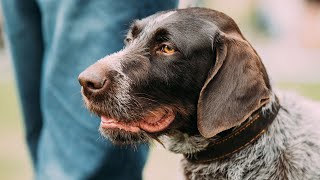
189,70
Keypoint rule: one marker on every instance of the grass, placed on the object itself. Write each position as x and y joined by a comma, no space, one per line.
8,104
310,90
14,161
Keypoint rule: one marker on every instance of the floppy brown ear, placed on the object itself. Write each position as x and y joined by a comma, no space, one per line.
236,86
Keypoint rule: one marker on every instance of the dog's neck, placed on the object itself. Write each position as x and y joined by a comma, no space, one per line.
198,149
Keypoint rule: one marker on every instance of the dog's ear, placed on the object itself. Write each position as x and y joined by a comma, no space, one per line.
236,86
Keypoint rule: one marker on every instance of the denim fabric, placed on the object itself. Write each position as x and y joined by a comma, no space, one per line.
51,42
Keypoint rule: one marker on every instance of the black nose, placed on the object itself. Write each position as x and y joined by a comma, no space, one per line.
92,81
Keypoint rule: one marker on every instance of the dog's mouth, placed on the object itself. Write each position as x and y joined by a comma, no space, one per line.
153,122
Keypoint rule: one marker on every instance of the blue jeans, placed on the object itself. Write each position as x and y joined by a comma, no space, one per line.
51,42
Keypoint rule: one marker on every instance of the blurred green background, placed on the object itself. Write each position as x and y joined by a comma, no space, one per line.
292,65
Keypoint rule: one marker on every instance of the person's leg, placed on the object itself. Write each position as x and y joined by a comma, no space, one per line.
22,26
76,34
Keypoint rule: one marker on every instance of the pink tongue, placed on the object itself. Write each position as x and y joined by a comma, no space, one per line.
109,123
157,121
154,122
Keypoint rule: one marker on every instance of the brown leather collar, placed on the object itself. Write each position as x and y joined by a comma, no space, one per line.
232,141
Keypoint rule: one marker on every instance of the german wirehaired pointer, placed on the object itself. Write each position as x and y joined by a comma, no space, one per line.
189,79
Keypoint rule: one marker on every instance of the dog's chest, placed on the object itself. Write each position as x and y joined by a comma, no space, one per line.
289,165
290,149
290,154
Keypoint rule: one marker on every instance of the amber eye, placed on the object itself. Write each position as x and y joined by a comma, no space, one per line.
167,49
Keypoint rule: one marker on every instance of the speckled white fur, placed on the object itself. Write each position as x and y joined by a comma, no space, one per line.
290,149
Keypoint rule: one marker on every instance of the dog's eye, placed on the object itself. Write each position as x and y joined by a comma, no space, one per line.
167,49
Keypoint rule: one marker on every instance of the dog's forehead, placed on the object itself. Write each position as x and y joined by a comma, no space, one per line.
194,18
178,19
174,21
157,20
160,18
181,24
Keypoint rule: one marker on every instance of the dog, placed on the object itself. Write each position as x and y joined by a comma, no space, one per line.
189,79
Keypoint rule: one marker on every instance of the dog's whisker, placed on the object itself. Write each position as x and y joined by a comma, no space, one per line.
138,104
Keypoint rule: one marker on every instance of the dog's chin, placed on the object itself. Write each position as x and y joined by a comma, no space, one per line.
136,131
123,137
